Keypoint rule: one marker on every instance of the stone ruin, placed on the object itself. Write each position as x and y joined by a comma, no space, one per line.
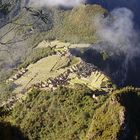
81,70
18,75
53,83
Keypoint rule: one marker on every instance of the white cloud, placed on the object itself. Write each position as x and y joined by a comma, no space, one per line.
118,36
118,31
51,3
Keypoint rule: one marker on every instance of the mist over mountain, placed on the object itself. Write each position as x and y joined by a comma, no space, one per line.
111,4
119,36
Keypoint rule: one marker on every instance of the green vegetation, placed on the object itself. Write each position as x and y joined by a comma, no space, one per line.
4,8
74,60
6,91
118,118
72,114
72,27
37,54
106,122
105,56
79,25
8,131
63,63
63,114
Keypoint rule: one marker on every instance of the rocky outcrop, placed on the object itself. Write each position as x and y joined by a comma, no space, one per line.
9,9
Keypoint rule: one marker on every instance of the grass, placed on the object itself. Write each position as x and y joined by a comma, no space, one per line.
37,72
62,63
35,55
70,26
75,60
93,82
47,67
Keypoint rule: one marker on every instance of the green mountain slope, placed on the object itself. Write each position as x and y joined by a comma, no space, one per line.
69,114
78,24
29,26
63,114
118,118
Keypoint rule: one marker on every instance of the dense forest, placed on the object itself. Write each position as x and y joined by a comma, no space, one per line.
74,114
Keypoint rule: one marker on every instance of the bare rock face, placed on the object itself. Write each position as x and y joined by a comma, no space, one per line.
9,9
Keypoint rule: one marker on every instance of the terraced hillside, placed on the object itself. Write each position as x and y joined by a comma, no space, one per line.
60,66
72,114
50,66
24,29
29,26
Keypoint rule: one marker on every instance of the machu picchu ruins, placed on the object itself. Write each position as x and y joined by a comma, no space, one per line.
58,69
18,74
80,71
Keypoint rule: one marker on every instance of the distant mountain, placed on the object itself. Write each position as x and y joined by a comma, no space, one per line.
111,4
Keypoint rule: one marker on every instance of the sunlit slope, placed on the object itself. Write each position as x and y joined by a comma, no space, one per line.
31,25
64,114
61,66
42,70
78,24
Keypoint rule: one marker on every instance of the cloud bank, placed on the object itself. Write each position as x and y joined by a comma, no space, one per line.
117,30
56,3
118,36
